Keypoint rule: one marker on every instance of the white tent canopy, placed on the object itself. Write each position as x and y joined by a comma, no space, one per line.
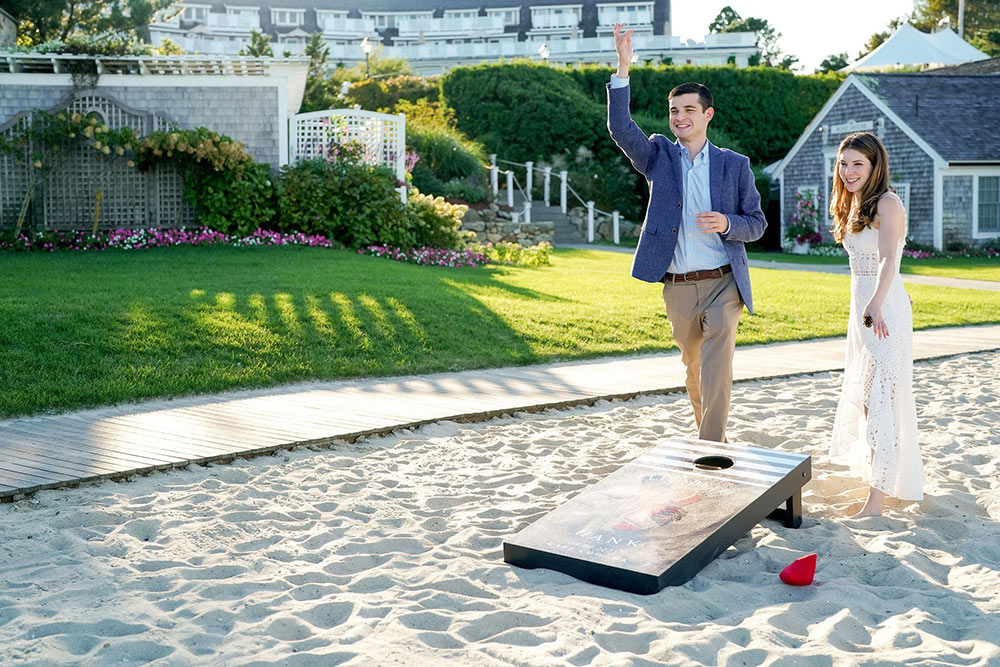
910,47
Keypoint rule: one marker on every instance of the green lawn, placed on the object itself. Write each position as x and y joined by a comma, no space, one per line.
80,329
968,268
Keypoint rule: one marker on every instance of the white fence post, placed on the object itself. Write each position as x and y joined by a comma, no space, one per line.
401,159
510,188
562,190
494,175
528,180
590,221
527,212
614,222
548,179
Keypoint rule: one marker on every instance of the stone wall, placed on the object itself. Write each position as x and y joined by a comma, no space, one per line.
493,226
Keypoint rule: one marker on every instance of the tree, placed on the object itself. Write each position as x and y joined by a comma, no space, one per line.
832,63
378,66
169,47
259,46
982,21
770,54
726,17
49,20
317,95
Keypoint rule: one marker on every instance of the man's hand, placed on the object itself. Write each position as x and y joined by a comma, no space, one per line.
712,222
623,45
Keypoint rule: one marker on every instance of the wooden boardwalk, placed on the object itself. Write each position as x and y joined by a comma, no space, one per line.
61,450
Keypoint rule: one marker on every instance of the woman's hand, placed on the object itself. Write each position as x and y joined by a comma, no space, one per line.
874,312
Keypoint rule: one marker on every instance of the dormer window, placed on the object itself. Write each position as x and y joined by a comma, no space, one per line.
194,13
288,17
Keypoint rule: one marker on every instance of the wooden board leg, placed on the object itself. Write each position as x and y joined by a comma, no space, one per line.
791,513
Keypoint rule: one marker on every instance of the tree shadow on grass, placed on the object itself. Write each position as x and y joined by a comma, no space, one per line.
179,321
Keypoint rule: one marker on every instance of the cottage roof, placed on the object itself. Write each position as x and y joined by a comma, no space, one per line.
957,115
991,66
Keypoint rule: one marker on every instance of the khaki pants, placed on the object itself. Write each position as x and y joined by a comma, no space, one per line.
703,316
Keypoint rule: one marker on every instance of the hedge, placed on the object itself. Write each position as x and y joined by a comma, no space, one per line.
763,108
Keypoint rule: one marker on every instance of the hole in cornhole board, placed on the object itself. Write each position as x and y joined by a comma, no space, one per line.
713,462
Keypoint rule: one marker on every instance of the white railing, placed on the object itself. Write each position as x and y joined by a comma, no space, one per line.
412,28
638,18
359,27
565,189
243,21
381,137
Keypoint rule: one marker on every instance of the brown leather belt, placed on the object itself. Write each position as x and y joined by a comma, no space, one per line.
695,276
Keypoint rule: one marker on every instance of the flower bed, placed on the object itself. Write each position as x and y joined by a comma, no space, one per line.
427,256
138,239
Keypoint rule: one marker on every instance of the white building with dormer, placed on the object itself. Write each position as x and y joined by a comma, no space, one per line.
434,35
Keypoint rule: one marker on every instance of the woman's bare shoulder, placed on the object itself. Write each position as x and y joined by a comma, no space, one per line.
889,205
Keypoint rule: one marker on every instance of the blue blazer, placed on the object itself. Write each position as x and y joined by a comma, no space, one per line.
659,160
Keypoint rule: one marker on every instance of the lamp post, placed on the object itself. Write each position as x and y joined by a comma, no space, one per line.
366,46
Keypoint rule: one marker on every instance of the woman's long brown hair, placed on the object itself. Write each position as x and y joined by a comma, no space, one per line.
877,185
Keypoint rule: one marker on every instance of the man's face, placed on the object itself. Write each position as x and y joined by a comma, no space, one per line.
687,118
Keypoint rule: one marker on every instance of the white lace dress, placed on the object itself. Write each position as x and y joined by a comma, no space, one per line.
878,374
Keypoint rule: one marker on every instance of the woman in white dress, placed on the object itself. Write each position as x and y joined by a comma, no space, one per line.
875,431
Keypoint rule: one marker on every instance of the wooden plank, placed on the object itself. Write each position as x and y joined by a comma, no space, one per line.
304,431
149,440
253,425
240,434
70,457
30,457
283,411
15,472
127,453
132,432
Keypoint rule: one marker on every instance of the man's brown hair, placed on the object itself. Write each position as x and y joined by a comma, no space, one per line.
703,93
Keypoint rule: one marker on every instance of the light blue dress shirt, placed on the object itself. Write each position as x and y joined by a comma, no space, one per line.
696,250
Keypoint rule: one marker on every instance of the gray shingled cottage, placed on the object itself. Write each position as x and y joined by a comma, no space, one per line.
942,132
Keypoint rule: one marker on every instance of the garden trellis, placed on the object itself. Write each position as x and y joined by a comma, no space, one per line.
67,197
381,137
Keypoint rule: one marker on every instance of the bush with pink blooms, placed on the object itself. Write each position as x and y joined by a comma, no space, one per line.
427,256
140,239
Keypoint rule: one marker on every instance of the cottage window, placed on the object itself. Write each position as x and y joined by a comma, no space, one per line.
988,218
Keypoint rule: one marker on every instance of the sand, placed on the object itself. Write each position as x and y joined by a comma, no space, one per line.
388,550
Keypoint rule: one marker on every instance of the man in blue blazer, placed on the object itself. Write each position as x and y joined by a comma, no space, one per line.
703,206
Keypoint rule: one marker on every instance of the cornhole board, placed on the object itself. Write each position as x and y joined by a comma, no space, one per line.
660,519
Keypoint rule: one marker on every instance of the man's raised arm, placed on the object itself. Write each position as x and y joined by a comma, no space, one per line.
633,141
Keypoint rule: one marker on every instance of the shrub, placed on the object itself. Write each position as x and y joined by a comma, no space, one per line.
449,163
230,192
385,94
514,253
347,200
764,108
435,223
236,203
526,111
